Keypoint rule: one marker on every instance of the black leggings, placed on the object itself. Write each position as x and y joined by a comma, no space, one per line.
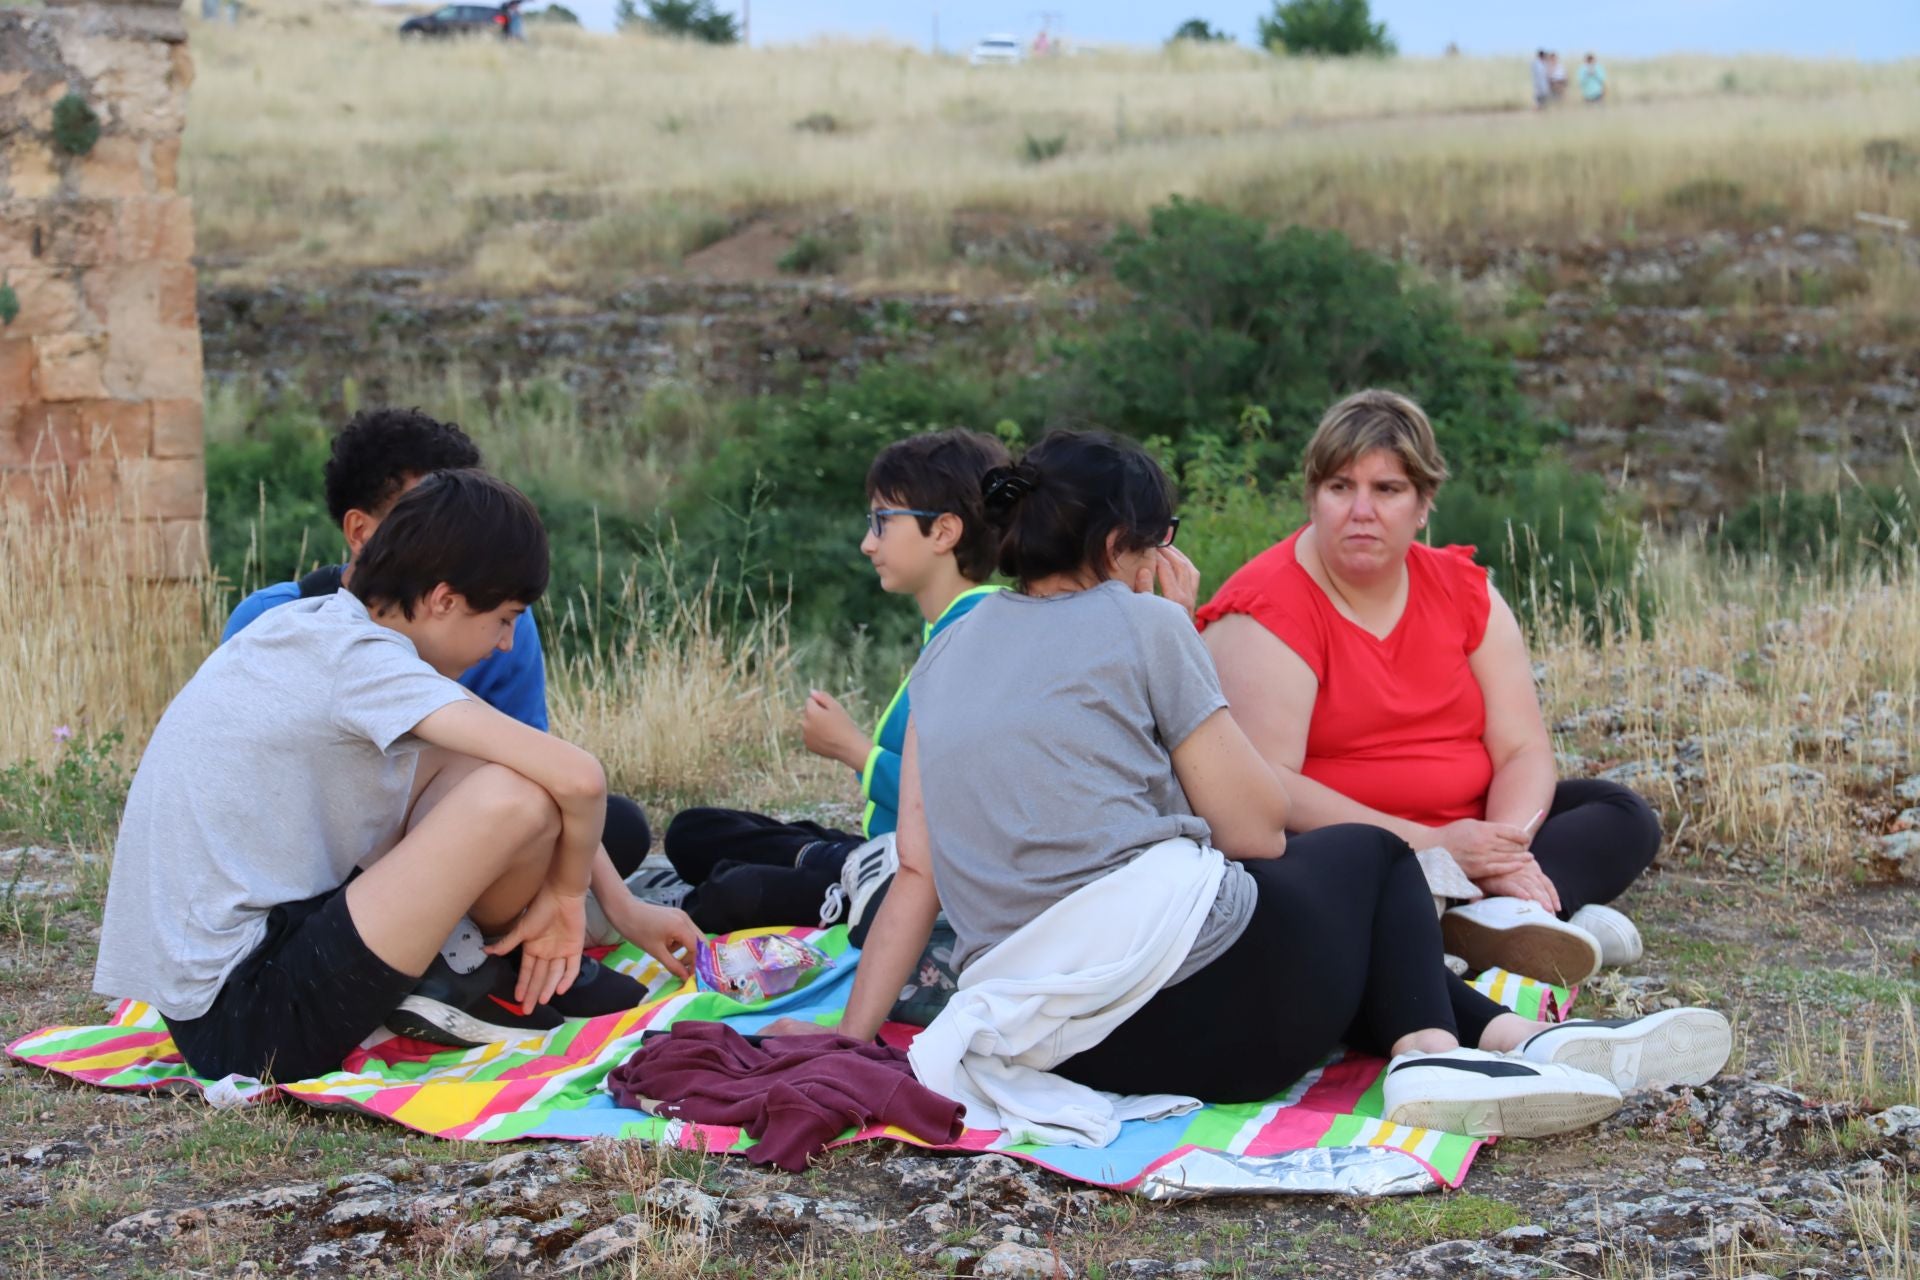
1597,839
742,868
1343,947
626,835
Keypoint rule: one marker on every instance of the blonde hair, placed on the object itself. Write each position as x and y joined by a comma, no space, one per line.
1369,420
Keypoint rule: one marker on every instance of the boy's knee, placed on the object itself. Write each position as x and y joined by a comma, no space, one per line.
516,807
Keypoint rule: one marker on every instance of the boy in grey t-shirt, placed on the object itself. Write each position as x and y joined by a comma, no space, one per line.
274,938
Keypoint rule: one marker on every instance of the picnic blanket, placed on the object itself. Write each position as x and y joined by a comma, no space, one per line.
1323,1135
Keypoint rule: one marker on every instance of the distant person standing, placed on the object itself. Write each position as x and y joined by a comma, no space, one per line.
1542,87
1556,76
1593,82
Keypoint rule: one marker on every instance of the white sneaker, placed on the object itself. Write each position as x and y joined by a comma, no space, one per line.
1520,936
651,883
1619,940
1491,1095
866,871
1455,965
1674,1046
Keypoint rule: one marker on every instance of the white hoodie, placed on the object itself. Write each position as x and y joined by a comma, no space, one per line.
1060,985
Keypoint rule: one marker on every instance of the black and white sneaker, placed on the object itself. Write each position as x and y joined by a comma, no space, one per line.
1674,1046
864,878
1490,1095
469,1009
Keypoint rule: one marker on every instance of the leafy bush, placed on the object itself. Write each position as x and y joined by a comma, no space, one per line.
1040,149
76,126
781,505
686,19
1340,28
1199,31
814,253
1858,525
1224,315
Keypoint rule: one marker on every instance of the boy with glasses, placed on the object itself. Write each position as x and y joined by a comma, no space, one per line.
927,537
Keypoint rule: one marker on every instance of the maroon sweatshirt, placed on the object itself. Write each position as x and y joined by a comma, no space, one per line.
793,1094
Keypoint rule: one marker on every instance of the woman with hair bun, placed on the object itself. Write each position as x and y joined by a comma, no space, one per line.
1108,847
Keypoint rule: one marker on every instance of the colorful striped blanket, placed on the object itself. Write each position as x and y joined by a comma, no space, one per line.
1324,1134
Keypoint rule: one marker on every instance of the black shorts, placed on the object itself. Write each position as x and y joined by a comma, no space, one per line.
299,1002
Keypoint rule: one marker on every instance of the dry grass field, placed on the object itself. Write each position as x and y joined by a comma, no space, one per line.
319,140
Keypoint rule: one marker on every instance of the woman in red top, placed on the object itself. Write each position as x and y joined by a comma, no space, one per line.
1388,683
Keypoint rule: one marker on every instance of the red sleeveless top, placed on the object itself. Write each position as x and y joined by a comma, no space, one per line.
1397,724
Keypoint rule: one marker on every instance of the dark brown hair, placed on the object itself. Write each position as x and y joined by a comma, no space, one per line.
476,533
941,472
1058,505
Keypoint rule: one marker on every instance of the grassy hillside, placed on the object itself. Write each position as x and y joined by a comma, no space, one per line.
319,140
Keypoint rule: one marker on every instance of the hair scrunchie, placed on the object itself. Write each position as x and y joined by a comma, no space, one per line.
1002,487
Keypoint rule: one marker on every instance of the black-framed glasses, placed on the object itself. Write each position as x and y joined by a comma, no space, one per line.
1173,527
877,518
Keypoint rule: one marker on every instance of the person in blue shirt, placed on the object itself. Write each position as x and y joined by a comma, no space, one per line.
927,537
379,455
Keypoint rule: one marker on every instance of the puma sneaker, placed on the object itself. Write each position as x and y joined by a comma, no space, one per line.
1619,940
1674,1046
1520,936
1491,1095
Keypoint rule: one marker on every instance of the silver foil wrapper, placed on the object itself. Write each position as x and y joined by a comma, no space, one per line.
1359,1171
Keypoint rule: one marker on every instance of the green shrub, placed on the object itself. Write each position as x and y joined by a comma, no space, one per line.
76,126
813,253
1339,28
782,504
1865,524
1224,315
1040,149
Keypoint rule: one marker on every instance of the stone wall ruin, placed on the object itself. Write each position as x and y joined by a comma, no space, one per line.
100,374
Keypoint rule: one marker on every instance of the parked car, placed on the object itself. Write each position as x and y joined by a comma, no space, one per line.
995,51
454,20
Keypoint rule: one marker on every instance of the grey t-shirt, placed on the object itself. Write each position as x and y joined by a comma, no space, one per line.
1046,727
283,764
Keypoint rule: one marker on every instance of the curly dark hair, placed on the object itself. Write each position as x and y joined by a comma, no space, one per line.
380,450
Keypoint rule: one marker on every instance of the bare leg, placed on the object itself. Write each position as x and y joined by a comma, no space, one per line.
1508,1032
480,840
1431,1040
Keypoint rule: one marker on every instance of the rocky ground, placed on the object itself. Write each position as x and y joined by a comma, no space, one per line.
1797,1162
1692,372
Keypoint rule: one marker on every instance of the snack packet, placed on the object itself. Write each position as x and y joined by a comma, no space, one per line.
755,969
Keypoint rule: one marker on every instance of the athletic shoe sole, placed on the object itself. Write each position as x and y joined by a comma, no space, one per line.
1526,1115
1675,1046
424,1018
1554,952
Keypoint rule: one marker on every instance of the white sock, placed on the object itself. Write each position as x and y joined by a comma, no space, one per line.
464,950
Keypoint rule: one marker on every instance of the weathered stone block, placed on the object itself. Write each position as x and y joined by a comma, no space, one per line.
111,168
16,373
32,488
164,164
154,364
179,429
70,366
63,233
154,229
168,488
31,171
108,428
45,436
49,301
93,486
